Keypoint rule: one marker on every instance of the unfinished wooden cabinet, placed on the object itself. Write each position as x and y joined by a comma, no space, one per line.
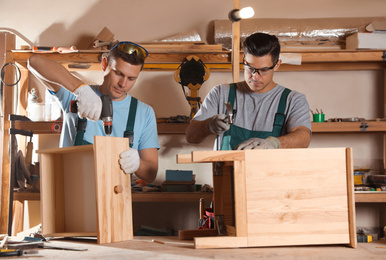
280,197
85,193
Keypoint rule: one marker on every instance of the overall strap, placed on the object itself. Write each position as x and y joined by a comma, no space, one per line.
80,130
226,139
280,115
129,133
232,93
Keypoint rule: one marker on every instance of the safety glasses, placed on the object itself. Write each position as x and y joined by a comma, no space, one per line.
130,48
261,72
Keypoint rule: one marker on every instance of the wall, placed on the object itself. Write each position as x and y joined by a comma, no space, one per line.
55,23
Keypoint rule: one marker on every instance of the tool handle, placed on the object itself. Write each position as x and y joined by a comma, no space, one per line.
74,106
202,208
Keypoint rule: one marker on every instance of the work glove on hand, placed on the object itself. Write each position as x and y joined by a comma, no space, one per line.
218,124
89,103
129,160
257,143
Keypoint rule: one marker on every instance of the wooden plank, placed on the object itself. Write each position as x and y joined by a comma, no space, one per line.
191,234
240,195
52,193
40,127
71,234
113,191
172,128
333,127
370,197
183,197
219,156
21,196
301,200
7,109
220,242
184,158
236,46
181,48
63,150
18,217
224,195
351,198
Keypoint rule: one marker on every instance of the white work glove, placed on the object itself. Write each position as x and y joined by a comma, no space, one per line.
257,143
129,160
89,103
218,124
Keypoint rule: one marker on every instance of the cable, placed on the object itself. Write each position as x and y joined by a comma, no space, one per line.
18,72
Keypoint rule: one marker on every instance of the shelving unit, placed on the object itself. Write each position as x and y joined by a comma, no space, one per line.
312,60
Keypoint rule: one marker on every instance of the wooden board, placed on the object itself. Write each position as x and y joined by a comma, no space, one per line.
288,197
113,191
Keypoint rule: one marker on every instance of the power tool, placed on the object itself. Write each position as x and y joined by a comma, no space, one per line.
106,114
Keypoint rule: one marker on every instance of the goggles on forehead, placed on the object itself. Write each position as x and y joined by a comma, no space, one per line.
130,48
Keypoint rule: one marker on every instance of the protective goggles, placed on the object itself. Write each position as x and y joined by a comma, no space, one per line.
130,48
261,72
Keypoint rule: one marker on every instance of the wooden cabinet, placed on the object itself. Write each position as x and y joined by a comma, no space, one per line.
161,60
306,199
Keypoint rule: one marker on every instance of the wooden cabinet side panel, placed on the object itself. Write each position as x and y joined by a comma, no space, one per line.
351,198
52,193
113,191
223,195
240,194
297,197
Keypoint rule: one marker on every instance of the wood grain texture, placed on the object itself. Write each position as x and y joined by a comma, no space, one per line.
7,109
51,193
114,211
297,197
285,197
220,242
218,156
77,191
240,195
224,195
351,198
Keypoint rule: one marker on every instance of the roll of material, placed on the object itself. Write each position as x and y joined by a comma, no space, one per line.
36,111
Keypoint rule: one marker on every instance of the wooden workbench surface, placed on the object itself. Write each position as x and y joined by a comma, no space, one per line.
172,248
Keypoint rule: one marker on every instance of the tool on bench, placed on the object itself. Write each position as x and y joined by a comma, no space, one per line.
106,114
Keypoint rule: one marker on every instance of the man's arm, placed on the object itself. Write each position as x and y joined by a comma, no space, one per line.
298,137
148,165
197,131
53,74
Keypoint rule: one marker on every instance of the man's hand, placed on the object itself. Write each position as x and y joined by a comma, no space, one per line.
89,103
218,124
129,160
257,143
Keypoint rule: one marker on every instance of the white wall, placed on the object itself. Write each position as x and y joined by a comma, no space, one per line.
339,94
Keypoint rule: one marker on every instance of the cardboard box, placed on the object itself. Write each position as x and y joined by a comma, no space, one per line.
373,40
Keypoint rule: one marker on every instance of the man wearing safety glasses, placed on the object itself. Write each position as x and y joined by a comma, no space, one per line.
264,115
131,118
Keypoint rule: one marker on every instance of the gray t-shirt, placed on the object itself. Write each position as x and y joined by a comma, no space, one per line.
255,111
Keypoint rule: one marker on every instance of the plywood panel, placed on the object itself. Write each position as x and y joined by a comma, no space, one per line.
79,190
113,191
297,197
285,197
